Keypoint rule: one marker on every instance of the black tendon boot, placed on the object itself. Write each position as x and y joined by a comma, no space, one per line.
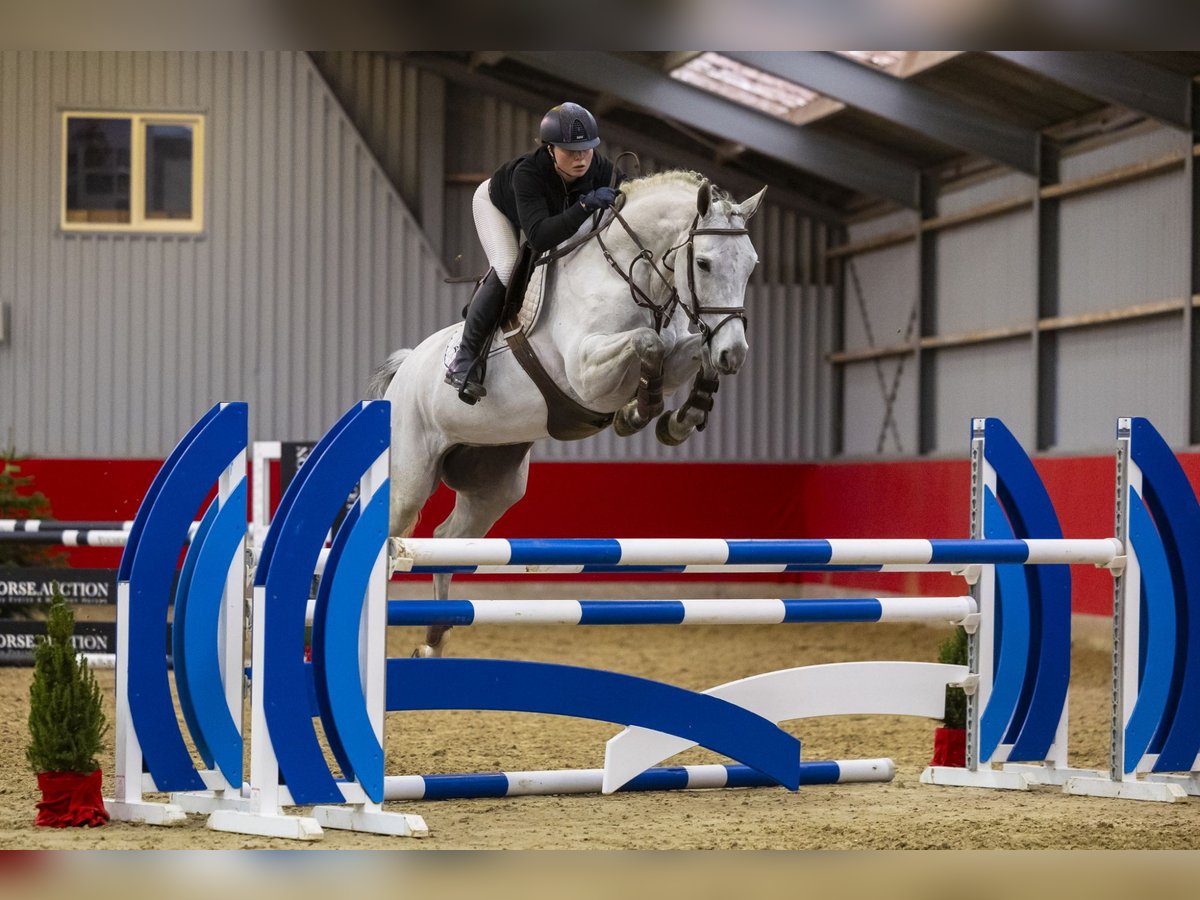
465,374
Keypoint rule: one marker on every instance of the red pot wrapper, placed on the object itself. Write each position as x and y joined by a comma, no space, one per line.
950,747
71,799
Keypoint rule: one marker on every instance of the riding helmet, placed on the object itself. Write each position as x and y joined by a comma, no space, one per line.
571,127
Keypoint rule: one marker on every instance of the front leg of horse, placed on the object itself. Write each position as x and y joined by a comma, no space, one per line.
648,403
676,427
600,370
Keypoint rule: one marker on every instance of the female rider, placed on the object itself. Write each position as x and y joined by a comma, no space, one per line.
547,194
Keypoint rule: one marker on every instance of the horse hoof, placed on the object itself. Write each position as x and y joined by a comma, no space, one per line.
663,432
625,422
622,426
426,651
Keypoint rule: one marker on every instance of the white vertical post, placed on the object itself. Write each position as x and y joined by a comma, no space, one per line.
127,804
982,641
1127,613
263,813
128,774
231,621
260,507
980,652
373,629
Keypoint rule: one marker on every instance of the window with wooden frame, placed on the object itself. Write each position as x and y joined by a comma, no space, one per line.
132,172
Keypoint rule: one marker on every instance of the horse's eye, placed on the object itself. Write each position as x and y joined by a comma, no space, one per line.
703,264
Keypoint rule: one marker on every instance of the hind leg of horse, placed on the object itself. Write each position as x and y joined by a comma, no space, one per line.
414,476
435,634
487,481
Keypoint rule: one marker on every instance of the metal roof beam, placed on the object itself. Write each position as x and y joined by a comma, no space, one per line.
726,176
1142,87
897,100
838,161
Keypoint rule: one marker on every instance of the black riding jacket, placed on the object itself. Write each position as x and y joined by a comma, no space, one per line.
536,199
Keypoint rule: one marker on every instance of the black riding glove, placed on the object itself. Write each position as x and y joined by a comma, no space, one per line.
600,198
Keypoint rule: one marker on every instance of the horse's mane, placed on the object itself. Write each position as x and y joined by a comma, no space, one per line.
684,178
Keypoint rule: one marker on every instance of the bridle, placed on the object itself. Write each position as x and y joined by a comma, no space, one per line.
662,312
699,309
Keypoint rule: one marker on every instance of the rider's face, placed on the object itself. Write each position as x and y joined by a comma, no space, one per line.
571,164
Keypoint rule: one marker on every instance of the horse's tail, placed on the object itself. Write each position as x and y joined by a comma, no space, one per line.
382,376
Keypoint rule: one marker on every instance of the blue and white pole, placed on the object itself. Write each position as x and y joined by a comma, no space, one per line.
486,555
589,781
679,612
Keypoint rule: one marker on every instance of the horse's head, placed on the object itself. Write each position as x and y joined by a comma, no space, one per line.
712,271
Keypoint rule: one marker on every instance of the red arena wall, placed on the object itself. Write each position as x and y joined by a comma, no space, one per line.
726,500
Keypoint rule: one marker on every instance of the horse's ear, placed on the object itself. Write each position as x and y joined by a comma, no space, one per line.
749,206
704,198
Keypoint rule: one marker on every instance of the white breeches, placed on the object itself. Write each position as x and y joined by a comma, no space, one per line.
496,233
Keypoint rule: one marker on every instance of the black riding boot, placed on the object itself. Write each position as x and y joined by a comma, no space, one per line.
465,374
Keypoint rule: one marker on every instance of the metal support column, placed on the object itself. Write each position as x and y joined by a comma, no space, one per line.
836,271
1190,325
1045,343
926,324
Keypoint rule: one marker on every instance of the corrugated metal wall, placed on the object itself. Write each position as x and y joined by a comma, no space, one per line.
1117,246
400,112
331,220
880,288
310,271
1122,246
986,278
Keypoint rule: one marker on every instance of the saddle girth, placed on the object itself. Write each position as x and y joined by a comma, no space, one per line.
566,418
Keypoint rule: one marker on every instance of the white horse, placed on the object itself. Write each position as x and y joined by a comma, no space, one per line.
609,325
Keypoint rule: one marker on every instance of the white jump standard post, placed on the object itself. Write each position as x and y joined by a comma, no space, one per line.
282,732
1007,746
150,752
1155,738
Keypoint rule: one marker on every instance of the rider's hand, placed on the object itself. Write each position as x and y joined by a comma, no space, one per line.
600,198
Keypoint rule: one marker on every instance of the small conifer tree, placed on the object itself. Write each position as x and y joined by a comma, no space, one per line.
66,719
954,651
18,502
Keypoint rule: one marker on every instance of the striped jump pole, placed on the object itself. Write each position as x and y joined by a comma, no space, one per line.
440,555
589,781
401,565
28,525
679,612
75,537
68,537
